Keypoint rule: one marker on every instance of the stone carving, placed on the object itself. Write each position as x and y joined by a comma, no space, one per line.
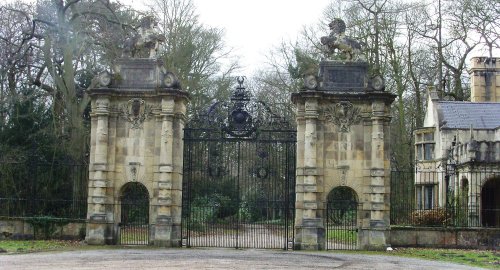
343,176
136,112
102,105
337,40
146,41
133,173
165,135
104,79
343,115
310,82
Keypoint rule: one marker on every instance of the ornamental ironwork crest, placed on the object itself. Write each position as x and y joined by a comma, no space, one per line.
343,115
136,111
241,116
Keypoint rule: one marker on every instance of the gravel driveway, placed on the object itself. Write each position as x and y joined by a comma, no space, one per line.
198,258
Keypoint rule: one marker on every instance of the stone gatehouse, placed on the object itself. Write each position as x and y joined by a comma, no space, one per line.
342,115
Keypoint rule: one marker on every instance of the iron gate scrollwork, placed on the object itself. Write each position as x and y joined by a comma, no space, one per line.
239,176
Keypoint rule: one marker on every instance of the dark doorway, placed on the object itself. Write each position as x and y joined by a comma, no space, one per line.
490,203
134,217
341,219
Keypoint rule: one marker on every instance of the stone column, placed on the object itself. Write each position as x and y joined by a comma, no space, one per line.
163,220
374,235
475,184
96,228
177,161
310,232
168,184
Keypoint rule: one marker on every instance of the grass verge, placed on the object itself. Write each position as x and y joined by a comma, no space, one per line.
478,258
37,245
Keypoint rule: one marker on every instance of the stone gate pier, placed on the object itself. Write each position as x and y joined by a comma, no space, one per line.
138,114
137,120
343,140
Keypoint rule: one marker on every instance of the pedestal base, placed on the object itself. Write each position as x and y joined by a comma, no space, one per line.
373,239
100,234
310,235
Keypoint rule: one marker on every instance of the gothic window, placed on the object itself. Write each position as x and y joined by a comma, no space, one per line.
426,196
425,145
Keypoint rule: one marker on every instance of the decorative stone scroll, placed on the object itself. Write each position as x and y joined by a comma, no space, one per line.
343,115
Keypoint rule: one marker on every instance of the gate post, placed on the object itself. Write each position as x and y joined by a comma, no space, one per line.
100,224
168,185
343,127
309,225
138,112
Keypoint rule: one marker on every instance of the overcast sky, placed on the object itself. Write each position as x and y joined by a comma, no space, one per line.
253,27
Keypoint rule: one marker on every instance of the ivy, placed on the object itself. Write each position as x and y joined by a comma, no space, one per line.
47,225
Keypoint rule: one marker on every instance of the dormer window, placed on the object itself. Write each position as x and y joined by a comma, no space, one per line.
424,144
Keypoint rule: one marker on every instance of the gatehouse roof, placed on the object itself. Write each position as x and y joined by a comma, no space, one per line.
463,115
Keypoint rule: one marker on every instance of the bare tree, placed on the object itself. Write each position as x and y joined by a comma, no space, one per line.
67,42
15,51
196,53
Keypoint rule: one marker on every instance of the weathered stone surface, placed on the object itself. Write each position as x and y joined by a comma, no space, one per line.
136,136
342,141
445,237
339,76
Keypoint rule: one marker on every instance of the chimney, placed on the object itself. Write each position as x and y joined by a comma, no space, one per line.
485,79
431,91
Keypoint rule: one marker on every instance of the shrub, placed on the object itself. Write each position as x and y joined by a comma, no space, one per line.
431,217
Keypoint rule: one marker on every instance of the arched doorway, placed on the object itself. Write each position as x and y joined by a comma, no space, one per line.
134,215
490,204
341,219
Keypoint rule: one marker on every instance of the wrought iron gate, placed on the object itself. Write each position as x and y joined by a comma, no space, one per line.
239,176
134,208
341,225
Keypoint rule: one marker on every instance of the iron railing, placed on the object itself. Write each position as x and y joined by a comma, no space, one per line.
463,198
32,189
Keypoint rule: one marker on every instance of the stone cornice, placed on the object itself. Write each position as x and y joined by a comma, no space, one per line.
143,93
387,97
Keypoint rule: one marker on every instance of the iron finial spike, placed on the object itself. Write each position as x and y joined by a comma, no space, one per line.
240,80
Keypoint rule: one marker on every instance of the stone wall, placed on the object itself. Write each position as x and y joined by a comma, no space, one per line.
469,238
18,228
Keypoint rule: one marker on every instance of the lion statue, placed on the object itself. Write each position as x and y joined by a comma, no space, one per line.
146,40
338,41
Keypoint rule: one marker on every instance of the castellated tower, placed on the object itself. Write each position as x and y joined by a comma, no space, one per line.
485,79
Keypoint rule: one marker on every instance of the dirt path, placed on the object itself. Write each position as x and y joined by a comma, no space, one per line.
211,259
